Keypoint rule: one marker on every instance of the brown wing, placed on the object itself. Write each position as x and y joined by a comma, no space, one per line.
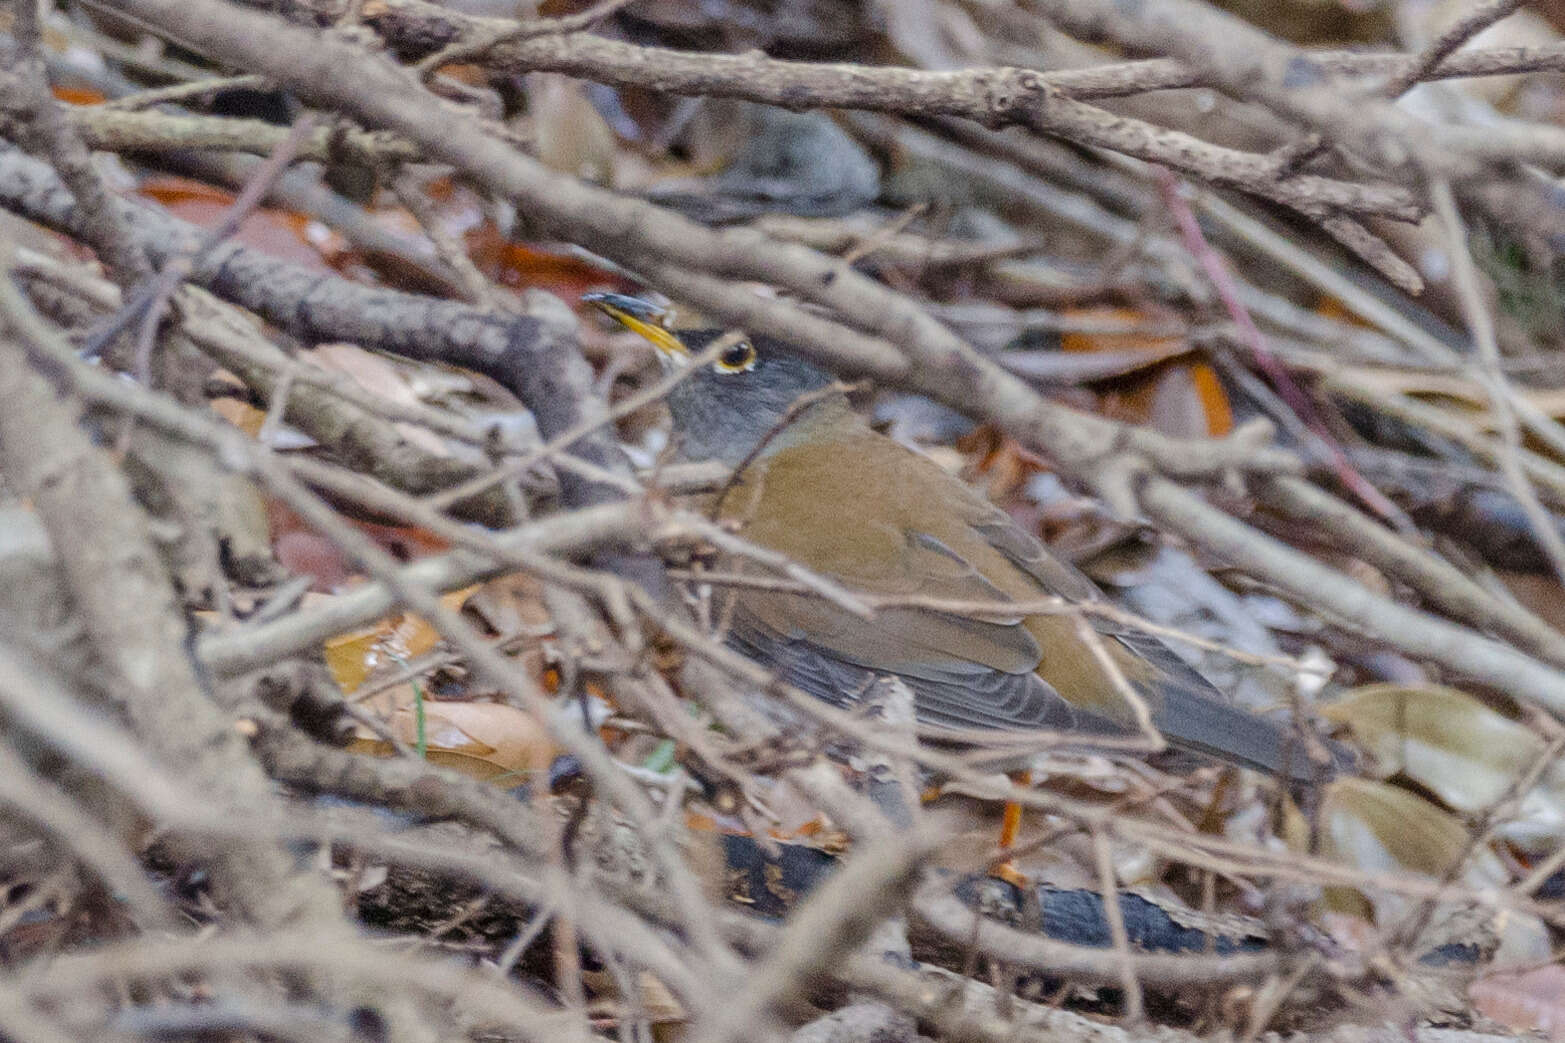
931,535
819,513
964,672
1185,707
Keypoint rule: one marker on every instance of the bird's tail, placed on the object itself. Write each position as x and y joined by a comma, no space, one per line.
1193,715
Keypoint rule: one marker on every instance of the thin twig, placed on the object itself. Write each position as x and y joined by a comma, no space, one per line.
1222,282
1472,22
1491,373
1114,916
476,49
180,93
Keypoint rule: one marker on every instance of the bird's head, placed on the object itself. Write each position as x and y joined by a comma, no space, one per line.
748,392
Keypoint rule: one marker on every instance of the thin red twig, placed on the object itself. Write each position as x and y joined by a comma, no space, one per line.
1216,270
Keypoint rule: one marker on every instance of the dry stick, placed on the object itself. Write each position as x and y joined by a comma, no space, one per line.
988,95
1250,65
1472,22
1032,173
427,792
1034,182
383,501
469,50
234,448
1491,373
129,609
328,406
1157,74
231,1018
822,932
1372,250
1313,584
46,126
1465,28
994,96
1541,469
1436,579
614,931
476,994
176,93
40,703
966,1011
220,329
406,21
576,534
21,1020
117,131
1427,346
1114,916
51,809
411,195
152,304
1327,278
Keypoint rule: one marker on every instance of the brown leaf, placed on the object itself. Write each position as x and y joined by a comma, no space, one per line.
1533,1001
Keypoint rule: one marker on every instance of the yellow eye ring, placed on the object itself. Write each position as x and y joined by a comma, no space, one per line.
737,358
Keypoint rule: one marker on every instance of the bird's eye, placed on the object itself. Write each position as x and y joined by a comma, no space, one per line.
737,358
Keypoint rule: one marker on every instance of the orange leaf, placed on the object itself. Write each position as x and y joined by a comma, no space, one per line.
1178,397
281,234
354,656
514,265
491,742
79,95
241,414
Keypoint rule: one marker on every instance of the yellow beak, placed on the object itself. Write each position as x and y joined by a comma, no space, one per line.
640,317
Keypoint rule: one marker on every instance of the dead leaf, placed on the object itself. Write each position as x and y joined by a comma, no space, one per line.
1460,750
1533,1001
1384,829
278,233
353,657
1183,398
490,742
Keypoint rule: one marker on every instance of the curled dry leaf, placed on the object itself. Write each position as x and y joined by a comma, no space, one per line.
1380,828
1460,750
1178,397
1392,832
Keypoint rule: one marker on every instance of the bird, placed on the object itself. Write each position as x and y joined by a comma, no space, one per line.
817,483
